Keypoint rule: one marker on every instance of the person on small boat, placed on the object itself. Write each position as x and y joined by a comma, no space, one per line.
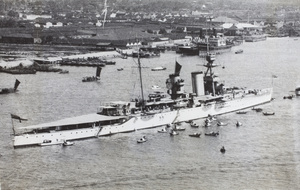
238,124
223,149
143,139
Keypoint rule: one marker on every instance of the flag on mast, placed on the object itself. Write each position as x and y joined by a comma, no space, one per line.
16,84
98,71
13,116
177,69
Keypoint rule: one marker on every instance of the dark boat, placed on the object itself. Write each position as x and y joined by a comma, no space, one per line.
18,70
212,133
179,129
223,149
194,125
195,135
64,72
93,78
257,109
10,90
239,51
238,124
269,113
288,97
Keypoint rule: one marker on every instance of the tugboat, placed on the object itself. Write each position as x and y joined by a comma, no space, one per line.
208,98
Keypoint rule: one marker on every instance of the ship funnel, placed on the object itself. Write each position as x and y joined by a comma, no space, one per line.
198,83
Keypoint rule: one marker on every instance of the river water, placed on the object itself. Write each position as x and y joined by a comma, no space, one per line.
264,153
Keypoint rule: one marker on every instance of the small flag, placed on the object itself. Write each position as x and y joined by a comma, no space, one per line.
13,116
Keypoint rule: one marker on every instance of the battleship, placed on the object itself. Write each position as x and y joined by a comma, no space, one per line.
208,98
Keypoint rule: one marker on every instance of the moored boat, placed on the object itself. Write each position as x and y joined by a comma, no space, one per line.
255,38
209,98
68,143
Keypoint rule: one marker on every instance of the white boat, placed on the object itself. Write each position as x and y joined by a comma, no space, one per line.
163,130
173,133
158,69
68,143
142,140
155,87
221,123
159,110
194,125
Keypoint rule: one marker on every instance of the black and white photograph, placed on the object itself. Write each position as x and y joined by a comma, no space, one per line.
149,94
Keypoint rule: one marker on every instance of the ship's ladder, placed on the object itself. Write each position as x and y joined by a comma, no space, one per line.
177,115
100,129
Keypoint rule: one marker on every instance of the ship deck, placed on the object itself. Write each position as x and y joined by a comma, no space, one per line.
83,119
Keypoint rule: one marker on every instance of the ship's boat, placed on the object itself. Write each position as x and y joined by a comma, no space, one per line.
269,113
142,140
68,143
241,112
212,133
195,135
223,149
208,98
158,69
239,51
